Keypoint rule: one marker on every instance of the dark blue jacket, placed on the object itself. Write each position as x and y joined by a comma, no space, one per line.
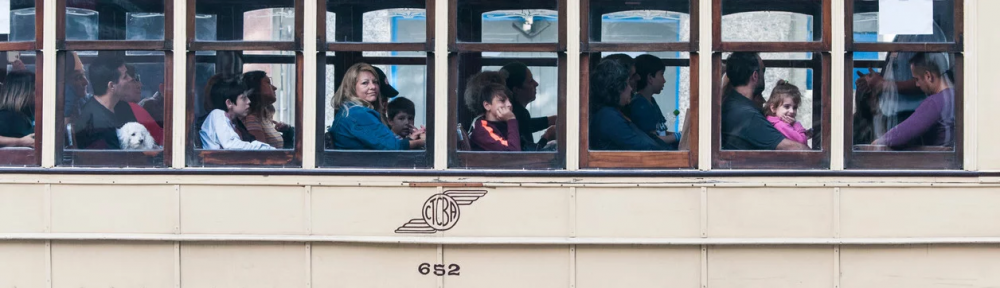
610,130
356,127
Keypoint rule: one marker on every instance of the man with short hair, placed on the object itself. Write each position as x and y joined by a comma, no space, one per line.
933,123
101,116
743,124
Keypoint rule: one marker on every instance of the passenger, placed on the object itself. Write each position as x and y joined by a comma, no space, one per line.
744,127
131,98
223,128
625,59
781,109
356,125
260,121
100,117
495,128
154,105
401,114
643,110
385,92
17,110
522,84
609,128
933,123
76,90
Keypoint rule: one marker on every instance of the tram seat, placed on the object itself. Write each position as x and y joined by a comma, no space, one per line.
463,139
685,144
195,135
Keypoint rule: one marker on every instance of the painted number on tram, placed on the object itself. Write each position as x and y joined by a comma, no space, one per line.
438,269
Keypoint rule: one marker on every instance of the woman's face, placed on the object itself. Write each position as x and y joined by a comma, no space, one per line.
366,87
528,90
625,97
133,91
268,90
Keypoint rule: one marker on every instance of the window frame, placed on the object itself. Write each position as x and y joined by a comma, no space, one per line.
19,156
935,160
821,57
114,158
350,52
235,158
590,55
492,159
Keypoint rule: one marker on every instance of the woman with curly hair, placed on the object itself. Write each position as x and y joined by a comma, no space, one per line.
610,129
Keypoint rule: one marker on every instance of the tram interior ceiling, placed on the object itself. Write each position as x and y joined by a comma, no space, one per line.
386,119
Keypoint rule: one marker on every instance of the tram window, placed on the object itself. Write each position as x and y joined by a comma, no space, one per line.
507,22
772,21
652,22
405,24
270,21
383,119
22,21
245,109
20,106
933,25
104,20
113,108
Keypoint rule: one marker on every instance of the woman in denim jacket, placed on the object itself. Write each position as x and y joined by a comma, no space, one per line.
356,126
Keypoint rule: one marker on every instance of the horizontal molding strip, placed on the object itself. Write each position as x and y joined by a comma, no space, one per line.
431,240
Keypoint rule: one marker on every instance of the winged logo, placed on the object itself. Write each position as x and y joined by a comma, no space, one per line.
441,211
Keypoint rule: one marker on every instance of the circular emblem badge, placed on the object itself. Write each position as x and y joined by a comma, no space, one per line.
441,212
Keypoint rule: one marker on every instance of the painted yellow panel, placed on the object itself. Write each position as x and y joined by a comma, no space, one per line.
770,267
770,212
638,212
22,264
243,209
205,265
508,266
919,266
112,264
516,212
22,209
919,212
987,102
638,266
114,208
366,210
356,265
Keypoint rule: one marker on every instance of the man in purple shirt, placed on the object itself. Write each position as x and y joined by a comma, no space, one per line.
933,123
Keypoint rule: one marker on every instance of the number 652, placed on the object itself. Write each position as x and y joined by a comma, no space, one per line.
439,269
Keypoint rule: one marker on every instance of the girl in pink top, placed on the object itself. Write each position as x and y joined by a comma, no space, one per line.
780,111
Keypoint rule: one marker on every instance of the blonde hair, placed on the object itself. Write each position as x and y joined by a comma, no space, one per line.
781,91
346,93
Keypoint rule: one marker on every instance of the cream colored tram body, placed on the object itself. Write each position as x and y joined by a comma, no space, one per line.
843,214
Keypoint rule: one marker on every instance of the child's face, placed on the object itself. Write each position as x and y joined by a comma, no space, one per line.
401,124
497,102
787,108
241,107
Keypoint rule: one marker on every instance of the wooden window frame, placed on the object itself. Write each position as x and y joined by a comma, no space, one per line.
820,49
230,158
352,51
493,159
20,156
910,160
113,158
590,54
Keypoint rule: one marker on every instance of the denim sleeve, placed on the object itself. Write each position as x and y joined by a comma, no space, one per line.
368,129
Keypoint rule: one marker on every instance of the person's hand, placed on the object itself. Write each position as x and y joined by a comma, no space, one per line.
504,113
18,65
27,141
550,133
278,125
788,119
420,134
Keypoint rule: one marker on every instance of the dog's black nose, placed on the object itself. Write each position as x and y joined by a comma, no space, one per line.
141,140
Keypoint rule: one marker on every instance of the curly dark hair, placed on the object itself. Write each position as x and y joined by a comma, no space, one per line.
475,85
607,81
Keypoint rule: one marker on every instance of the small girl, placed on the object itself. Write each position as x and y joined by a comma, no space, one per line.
780,111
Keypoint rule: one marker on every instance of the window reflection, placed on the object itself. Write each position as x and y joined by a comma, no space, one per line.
520,26
22,24
645,26
769,26
941,20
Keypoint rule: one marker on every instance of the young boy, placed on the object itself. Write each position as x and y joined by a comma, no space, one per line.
496,128
401,113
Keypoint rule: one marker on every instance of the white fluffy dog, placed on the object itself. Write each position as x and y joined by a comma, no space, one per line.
134,136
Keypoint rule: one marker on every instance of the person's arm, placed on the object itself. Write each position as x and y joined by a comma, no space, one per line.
228,138
368,129
917,124
485,137
788,144
538,124
26,141
761,134
620,132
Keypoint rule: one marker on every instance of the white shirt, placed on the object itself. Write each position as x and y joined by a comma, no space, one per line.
218,133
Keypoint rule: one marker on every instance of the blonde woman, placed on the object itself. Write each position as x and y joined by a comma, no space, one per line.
17,110
356,125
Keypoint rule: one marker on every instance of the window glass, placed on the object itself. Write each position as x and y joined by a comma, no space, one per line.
18,108
744,21
269,24
520,26
105,20
899,106
904,22
642,26
658,106
112,109
21,26
271,21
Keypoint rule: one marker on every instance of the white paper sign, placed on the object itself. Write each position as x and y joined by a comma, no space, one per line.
910,17
4,17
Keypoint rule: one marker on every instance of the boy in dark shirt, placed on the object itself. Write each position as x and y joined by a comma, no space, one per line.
96,127
496,127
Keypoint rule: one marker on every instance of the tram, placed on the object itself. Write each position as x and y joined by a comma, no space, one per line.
847,210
